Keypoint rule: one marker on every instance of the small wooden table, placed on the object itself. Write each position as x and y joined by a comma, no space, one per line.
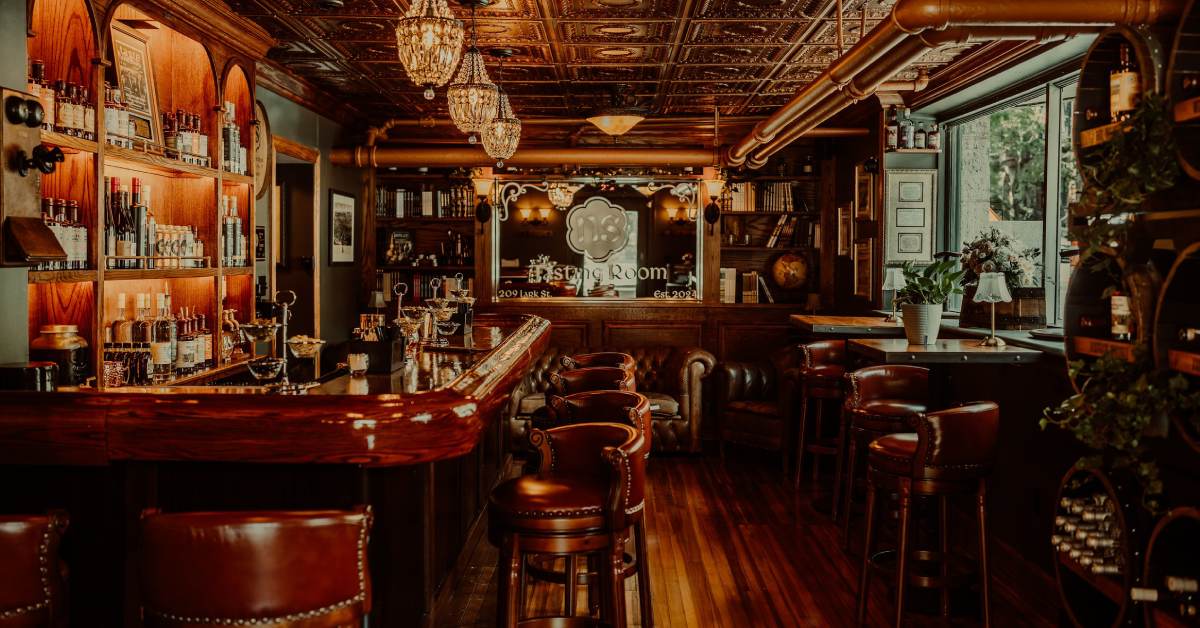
842,326
947,351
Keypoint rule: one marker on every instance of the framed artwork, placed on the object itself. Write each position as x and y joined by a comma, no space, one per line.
399,246
864,193
845,226
264,151
910,202
863,270
341,228
135,78
260,244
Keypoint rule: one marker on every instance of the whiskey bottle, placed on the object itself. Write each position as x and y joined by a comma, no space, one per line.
919,137
76,110
79,238
33,84
1124,87
143,327
933,139
204,353
893,129
62,114
1122,317
89,116
45,95
161,343
906,131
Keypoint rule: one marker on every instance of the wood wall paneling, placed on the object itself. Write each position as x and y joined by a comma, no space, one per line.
649,333
64,39
62,304
740,342
570,333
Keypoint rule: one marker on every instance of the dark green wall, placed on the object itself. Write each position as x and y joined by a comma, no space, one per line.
339,284
14,333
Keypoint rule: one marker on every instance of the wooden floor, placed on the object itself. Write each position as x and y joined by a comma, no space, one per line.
731,545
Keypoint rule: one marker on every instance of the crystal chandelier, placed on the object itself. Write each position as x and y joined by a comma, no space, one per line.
561,195
429,42
472,96
503,133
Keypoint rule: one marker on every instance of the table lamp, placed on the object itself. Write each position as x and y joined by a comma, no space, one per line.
992,289
893,279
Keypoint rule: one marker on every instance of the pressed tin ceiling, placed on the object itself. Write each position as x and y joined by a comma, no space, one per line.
679,57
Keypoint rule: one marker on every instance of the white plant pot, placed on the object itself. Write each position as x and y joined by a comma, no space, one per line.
921,322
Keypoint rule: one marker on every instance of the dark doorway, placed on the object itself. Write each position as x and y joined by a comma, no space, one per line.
295,270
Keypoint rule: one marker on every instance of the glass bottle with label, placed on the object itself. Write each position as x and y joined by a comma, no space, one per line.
906,131
62,116
161,343
919,137
1124,87
1122,316
933,139
893,129
89,116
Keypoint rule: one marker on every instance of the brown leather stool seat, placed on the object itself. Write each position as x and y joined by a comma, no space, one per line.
261,568
585,500
600,358
881,399
32,576
820,376
951,453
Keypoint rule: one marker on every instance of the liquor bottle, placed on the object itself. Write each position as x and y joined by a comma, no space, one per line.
893,129
76,110
62,231
143,327
122,328
37,73
933,139
46,95
137,211
204,353
150,235
89,116
1124,87
62,115
906,130
1122,317
79,237
161,343
184,352
807,167
170,135
919,137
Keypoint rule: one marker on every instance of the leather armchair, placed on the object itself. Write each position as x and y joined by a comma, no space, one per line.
32,577
670,377
756,400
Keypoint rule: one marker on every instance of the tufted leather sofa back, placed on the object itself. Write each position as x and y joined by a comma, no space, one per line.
649,369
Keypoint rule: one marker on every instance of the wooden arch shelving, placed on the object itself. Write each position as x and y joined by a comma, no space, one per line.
1178,309
1172,553
74,37
1183,89
1094,600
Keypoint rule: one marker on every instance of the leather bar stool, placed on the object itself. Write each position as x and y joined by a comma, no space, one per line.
951,453
592,378
600,358
586,499
880,401
601,406
32,576
823,364
264,568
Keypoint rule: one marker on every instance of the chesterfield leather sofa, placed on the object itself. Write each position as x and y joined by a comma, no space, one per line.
670,377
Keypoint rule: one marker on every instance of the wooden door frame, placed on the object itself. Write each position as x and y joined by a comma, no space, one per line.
307,154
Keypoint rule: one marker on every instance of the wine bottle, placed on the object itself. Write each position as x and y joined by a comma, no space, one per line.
1124,87
1122,316
161,343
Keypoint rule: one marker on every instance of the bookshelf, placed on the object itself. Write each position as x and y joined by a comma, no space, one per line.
64,35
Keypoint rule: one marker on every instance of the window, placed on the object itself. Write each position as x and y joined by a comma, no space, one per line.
1003,176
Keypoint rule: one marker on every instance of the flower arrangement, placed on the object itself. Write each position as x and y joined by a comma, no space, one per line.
995,252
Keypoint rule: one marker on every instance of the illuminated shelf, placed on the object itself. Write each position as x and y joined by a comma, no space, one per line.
1098,135
388,220
229,177
1187,110
152,164
68,143
62,276
159,273
1097,347
230,271
914,151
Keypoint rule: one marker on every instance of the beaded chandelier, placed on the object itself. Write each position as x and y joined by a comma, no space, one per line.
429,41
472,96
503,133
561,195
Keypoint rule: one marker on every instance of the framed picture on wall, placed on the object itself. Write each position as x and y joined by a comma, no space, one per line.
845,227
260,244
864,193
911,198
863,270
135,78
341,228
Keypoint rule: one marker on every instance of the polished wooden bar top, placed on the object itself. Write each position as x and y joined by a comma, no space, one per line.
815,325
947,351
434,409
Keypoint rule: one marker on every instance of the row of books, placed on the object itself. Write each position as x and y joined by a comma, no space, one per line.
753,287
779,197
426,201
418,284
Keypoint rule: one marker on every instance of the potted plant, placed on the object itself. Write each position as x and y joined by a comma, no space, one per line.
992,251
924,295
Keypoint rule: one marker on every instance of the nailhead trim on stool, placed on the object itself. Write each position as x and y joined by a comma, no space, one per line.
313,614
43,558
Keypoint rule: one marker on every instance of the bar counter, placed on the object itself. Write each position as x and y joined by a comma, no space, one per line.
422,446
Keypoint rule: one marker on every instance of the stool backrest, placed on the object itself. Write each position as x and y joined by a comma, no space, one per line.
592,378
888,381
614,359
957,443
628,489
31,574
601,406
824,352
207,568
578,449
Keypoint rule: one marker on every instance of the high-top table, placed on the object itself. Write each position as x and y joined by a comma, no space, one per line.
945,351
422,446
846,326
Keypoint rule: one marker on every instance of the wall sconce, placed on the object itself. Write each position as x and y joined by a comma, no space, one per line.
678,218
712,211
483,191
543,216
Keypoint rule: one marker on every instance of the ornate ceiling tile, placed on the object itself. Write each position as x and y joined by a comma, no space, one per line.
820,56
805,73
614,10
784,87
510,32
616,33
524,72
744,32
617,54
852,31
730,54
712,87
614,73
508,9
757,9
719,72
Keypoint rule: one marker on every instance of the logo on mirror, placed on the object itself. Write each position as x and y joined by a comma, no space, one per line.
597,229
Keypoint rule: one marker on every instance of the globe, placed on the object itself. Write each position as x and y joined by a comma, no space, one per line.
789,271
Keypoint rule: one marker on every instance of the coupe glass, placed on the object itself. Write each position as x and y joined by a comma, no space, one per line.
264,369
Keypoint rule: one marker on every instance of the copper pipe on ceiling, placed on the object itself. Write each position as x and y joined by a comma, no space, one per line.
871,78
377,156
379,133
911,18
916,85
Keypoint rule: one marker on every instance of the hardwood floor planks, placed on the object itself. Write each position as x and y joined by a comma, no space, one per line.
731,544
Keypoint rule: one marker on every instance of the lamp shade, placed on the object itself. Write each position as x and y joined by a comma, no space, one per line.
713,186
893,279
614,122
483,183
992,289
377,300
